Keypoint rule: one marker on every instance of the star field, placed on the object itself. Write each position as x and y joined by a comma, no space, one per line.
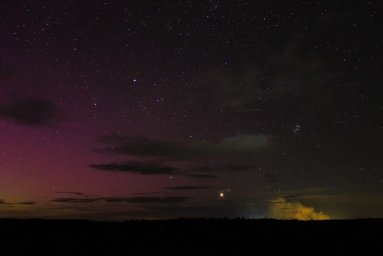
163,109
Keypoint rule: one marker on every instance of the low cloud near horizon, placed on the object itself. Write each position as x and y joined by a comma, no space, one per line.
281,209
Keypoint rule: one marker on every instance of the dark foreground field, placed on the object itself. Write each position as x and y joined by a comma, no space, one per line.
190,237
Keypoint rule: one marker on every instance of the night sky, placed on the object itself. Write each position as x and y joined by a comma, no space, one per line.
115,110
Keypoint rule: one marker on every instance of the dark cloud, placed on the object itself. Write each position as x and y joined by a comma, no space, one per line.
76,200
202,176
147,200
31,112
2,202
28,203
291,196
231,148
188,188
224,167
147,193
243,144
131,200
71,193
143,168
269,177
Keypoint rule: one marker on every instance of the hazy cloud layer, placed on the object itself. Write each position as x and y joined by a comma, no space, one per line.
140,146
200,153
286,74
298,76
281,209
31,112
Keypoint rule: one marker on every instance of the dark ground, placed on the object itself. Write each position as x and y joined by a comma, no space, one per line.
191,237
